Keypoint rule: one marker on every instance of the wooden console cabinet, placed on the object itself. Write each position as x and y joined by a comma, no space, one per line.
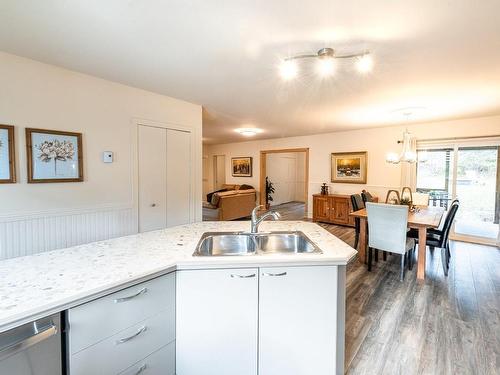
333,209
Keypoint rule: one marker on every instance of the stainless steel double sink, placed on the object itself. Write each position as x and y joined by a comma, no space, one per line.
243,243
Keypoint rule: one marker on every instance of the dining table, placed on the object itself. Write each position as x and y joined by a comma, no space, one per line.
421,218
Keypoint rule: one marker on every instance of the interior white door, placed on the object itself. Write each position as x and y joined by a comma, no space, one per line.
178,177
152,174
219,171
282,172
217,322
289,295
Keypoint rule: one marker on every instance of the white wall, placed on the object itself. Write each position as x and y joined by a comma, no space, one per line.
377,141
37,95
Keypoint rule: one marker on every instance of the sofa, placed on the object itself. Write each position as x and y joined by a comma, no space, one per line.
235,202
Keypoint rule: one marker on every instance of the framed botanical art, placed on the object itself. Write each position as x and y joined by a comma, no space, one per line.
54,156
241,167
349,167
7,155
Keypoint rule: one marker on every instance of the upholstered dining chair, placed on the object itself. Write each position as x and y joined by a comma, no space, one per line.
440,237
357,204
387,225
366,196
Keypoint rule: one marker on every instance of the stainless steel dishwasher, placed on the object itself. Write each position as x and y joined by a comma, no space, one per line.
32,349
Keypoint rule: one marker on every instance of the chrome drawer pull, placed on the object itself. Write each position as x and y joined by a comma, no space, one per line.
273,274
128,298
141,369
243,276
125,339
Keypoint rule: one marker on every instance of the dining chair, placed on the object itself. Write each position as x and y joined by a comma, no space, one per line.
366,196
357,204
440,237
387,224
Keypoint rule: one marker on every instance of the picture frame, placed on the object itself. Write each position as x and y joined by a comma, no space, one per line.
54,156
349,167
241,166
7,155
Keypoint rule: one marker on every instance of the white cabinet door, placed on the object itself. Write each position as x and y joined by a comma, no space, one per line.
178,177
152,154
217,322
297,320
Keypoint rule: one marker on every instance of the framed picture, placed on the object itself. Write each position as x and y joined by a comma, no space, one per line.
7,155
349,167
242,167
54,156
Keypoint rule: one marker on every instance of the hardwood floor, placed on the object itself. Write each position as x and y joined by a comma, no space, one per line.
446,325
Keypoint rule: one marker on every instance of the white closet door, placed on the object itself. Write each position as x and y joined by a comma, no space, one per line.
178,177
152,178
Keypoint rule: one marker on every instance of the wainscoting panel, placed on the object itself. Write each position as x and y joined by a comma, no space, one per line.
35,233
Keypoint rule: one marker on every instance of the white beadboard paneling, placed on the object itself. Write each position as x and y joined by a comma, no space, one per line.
43,231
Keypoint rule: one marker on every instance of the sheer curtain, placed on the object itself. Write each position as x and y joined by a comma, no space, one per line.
409,170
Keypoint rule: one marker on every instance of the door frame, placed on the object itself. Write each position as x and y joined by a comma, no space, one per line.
263,173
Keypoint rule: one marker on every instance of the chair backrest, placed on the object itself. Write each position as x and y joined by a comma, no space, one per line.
366,196
357,202
448,222
387,225
420,199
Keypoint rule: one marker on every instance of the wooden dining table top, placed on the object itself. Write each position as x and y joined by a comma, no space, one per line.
423,216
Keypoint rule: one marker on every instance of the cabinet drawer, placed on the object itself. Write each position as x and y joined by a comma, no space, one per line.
161,362
125,348
99,319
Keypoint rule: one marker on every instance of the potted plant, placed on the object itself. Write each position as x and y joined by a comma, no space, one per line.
269,192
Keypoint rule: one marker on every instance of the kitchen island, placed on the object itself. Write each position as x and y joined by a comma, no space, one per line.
70,280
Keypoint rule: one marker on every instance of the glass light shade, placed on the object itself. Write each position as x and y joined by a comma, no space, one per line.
325,67
392,157
365,64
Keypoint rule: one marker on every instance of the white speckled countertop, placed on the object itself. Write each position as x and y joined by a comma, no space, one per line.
42,284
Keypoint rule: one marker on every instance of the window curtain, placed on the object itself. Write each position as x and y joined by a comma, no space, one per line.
409,170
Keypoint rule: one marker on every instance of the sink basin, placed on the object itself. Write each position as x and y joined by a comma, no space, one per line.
241,243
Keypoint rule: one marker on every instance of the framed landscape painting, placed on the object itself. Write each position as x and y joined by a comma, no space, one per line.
349,167
242,167
7,155
54,156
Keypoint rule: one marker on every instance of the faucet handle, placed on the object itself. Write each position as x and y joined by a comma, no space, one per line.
256,209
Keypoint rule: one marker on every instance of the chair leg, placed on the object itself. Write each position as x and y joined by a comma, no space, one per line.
410,259
384,255
444,261
356,240
448,250
369,258
402,276
376,255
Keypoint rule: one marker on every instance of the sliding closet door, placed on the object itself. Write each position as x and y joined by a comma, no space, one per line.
152,151
178,177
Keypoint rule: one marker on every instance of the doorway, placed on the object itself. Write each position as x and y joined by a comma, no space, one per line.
288,171
219,171
470,171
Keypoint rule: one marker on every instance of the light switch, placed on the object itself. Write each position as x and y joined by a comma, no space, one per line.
107,156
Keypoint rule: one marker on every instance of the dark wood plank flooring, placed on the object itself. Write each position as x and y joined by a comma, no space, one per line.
446,325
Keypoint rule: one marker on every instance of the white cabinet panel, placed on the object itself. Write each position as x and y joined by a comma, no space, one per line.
99,319
152,151
161,362
125,348
178,177
297,320
217,322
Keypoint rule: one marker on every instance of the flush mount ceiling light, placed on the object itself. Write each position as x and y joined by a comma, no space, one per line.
248,132
326,64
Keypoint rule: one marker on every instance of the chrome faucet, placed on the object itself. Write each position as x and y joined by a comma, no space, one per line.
256,220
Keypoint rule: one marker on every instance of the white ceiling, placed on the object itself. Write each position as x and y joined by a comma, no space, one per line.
441,55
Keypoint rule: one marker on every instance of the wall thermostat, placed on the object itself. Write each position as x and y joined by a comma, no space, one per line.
107,156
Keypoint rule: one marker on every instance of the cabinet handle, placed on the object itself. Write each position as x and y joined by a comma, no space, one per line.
153,204
273,274
243,276
125,339
128,298
141,369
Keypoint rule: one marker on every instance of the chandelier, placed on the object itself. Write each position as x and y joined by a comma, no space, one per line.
407,154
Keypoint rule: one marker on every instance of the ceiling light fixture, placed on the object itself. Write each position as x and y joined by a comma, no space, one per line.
248,132
407,154
326,56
